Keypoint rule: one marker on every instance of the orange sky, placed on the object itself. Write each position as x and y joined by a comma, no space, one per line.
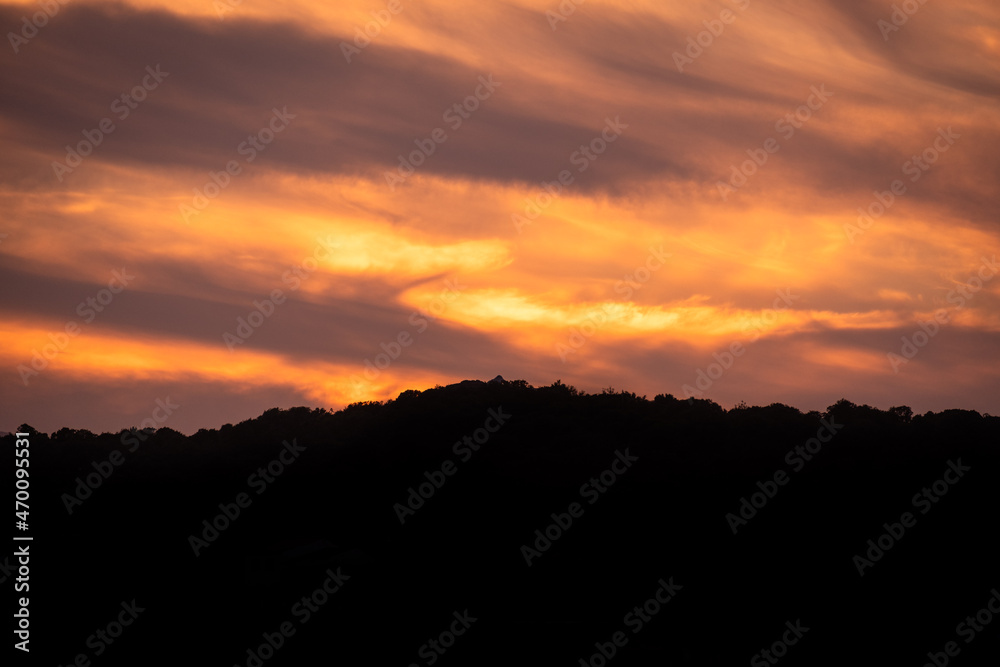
708,203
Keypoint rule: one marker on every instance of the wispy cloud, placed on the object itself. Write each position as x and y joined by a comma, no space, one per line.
323,178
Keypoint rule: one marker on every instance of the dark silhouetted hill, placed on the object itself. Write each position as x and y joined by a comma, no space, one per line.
659,486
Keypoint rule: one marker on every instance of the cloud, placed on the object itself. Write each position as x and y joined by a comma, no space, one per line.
360,258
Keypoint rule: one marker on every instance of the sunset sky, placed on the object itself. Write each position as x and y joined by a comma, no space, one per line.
608,193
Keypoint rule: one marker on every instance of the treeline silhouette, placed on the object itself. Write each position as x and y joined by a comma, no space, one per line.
367,489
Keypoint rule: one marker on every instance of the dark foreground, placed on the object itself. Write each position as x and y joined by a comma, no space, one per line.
380,536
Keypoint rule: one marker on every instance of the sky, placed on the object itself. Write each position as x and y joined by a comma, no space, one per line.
209,209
